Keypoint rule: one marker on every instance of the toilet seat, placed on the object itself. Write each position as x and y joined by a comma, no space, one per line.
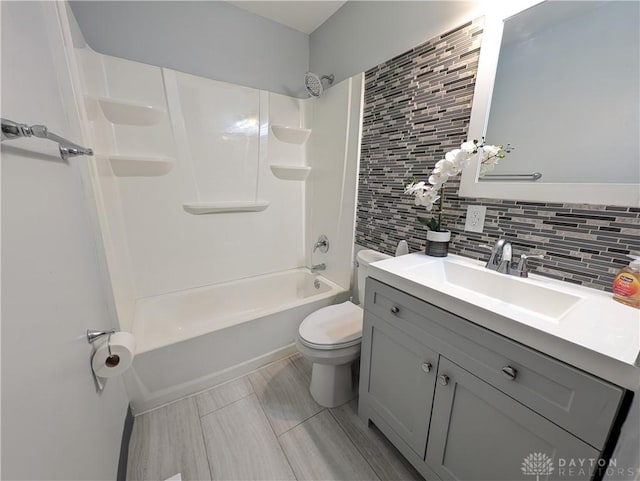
332,327
341,345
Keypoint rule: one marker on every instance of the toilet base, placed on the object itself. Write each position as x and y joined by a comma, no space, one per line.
332,385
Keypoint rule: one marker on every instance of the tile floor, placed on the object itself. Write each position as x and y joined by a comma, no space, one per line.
262,426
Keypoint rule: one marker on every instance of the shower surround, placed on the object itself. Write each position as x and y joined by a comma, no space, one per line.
206,186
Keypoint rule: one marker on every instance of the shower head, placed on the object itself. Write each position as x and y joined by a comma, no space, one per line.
313,83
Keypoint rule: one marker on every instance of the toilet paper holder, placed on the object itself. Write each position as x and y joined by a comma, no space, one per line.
94,335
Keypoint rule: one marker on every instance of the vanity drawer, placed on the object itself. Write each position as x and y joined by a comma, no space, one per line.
577,401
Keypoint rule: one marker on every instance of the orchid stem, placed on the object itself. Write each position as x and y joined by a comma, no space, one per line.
440,208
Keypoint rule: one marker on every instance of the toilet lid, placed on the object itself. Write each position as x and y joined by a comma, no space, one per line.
333,325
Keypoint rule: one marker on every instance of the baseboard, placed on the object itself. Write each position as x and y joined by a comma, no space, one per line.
124,445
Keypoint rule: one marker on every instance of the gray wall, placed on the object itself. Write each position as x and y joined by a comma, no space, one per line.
363,34
54,424
216,40
209,39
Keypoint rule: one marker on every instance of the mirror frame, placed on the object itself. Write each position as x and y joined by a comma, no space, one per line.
627,195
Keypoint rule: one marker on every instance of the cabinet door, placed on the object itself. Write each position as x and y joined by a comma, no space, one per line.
397,380
479,433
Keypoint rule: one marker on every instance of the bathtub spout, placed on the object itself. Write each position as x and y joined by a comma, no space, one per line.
318,267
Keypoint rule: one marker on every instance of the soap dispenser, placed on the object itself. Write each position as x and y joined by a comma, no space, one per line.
626,285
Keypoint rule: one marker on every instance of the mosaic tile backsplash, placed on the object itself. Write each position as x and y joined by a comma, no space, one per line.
417,107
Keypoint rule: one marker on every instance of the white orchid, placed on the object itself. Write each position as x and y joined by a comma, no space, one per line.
491,155
490,151
428,198
414,187
458,158
454,162
425,195
437,179
449,166
469,146
421,198
488,165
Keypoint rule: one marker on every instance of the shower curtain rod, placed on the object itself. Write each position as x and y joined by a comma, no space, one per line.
14,130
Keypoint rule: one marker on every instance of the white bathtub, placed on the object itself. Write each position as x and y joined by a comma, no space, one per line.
193,339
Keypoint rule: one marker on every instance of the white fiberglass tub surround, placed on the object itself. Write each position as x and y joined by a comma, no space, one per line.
172,145
193,339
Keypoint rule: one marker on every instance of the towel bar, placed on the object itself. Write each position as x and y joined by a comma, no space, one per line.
14,130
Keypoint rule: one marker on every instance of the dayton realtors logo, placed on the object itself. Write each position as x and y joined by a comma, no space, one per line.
541,465
537,464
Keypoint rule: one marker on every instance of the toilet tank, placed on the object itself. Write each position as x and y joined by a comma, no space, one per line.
364,258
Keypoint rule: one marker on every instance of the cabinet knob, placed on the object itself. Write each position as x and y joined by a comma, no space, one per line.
395,310
426,366
443,379
509,372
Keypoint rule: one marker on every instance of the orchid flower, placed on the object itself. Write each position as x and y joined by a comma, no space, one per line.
454,162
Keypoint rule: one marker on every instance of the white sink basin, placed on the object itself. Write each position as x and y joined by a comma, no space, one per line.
527,294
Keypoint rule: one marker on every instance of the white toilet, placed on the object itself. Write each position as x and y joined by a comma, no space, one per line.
330,338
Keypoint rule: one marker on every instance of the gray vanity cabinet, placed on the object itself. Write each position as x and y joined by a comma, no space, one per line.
397,363
478,432
461,402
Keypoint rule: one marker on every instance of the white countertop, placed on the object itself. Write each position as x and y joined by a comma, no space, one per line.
597,334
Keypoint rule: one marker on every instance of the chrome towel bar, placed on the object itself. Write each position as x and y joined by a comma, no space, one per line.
533,176
14,130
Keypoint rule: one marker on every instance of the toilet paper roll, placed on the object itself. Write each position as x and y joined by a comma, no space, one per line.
109,364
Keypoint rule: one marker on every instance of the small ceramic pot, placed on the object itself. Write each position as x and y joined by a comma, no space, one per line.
438,243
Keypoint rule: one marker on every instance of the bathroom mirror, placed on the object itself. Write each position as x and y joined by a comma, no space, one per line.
559,81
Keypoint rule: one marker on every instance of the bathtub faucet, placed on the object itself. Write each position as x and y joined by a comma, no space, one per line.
318,267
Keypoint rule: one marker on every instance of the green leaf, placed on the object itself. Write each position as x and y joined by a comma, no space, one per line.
432,224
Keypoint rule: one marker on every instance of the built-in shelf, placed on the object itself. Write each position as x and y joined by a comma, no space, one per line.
290,172
130,113
290,135
198,208
133,166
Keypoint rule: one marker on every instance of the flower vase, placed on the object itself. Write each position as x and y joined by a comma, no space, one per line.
438,243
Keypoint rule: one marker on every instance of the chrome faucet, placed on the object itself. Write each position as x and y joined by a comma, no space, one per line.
318,267
501,259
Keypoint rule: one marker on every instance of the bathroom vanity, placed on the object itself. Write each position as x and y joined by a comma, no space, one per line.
469,386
